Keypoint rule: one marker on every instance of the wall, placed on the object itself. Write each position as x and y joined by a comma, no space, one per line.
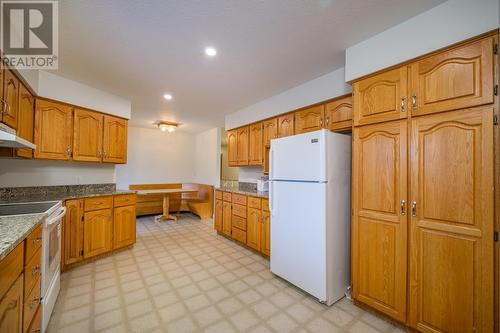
17,173
207,157
61,89
250,174
157,157
322,88
448,23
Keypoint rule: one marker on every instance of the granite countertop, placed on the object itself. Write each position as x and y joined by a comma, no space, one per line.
14,229
62,196
236,189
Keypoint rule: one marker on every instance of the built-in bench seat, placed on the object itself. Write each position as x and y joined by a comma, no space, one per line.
200,203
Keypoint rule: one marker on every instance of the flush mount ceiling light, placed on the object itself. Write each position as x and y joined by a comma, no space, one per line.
210,51
167,126
168,97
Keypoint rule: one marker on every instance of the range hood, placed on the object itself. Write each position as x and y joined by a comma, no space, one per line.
9,139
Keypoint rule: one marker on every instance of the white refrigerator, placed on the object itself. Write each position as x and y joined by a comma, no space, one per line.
310,205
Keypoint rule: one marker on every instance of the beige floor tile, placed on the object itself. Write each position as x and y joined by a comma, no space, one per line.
183,277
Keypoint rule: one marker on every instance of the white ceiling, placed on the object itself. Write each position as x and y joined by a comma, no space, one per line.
140,49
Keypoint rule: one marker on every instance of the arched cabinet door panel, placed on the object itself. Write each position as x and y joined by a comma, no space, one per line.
379,225
381,97
310,119
338,114
53,130
87,136
115,140
451,229
455,79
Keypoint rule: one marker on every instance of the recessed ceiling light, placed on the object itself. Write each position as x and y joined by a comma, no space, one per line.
168,97
210,51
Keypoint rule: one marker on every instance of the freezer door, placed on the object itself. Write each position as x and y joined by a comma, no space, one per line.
299,157
298,245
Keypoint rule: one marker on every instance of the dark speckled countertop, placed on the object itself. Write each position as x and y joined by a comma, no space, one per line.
14,229
242,188
50,193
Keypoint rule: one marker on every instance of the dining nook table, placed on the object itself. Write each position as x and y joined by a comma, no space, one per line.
166,200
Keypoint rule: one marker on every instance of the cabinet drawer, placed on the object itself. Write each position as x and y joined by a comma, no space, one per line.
240,210
265,205
36,322
125,200
98,203
31,304
10,268
254,202
226,196
33,243
32,273
239,222
218,195
239,235
239,199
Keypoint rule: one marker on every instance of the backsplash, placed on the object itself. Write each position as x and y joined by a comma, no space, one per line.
11,194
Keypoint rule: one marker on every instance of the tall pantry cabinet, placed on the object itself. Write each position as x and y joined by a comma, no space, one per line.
423,190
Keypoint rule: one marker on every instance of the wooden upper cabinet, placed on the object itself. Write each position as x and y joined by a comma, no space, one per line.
338,114
53,130
269,131
232,148
379,226
124,226
255,145
26,118
97,233
87,137
285,125
115,140
10,96
310,119
73,232
451,258
459,78
242,139
381,97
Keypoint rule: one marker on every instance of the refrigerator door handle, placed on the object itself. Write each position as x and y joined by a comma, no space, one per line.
271,163
271,194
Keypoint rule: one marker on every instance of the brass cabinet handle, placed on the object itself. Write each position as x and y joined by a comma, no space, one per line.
35,302
414,101
402,104
403,211
37,240
35,270
414,208
327,121
321,122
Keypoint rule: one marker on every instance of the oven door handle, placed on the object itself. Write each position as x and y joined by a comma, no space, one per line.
62,212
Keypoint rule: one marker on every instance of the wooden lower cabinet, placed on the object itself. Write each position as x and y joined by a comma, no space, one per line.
379,225
451,244
73,232
98,227
226,218
123,226
218,215
266,229
11,308
246,220
254,226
